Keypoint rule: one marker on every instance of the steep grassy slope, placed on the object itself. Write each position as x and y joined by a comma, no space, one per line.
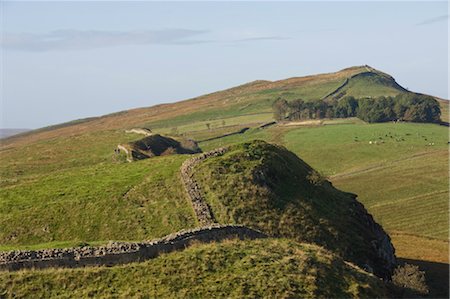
261,268
267,187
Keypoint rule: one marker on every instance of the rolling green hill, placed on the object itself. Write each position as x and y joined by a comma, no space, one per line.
64,185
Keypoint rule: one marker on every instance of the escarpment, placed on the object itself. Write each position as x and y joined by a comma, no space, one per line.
267,187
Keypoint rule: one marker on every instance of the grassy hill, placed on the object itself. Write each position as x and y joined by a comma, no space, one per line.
63,185
233,269
248,99
267,187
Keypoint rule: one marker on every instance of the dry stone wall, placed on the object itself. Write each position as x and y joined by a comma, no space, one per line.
201,208
115,253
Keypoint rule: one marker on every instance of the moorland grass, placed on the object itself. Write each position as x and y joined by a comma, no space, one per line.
106,201
265,268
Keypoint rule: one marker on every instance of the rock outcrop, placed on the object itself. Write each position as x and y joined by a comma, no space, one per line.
158,145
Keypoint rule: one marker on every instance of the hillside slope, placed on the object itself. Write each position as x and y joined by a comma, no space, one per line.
234,269
251,98
267,187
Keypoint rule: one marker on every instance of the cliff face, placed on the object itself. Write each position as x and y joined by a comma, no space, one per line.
268,187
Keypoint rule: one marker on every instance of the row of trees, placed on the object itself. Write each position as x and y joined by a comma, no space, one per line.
407,106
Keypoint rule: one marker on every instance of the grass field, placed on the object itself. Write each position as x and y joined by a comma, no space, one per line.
233,269
48,195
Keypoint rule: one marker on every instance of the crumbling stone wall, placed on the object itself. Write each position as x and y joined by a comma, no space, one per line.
115,253
201,208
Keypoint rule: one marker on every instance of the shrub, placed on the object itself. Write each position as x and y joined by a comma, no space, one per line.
410,277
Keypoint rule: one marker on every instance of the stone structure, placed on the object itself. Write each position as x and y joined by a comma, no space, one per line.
201,208
115,253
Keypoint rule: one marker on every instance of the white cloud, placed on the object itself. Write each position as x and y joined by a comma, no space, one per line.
433,20
64,40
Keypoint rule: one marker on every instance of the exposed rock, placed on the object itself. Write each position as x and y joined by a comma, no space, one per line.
157,145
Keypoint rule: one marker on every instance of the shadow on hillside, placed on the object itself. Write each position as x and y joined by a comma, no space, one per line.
437,275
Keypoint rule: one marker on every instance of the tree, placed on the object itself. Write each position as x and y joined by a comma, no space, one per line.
346,107
376,110
295,109
417,108
280,108
320,109
309,109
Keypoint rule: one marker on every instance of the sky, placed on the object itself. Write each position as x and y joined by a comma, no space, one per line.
64,60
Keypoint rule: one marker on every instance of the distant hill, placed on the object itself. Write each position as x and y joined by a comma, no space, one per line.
10,132
251,98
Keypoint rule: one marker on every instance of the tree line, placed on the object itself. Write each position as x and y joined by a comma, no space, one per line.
407,107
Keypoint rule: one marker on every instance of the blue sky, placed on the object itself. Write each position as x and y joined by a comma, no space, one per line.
67,60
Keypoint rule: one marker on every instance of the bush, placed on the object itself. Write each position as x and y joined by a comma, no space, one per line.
410,277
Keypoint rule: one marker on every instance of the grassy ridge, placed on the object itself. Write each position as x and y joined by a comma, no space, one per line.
269,188
234,269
